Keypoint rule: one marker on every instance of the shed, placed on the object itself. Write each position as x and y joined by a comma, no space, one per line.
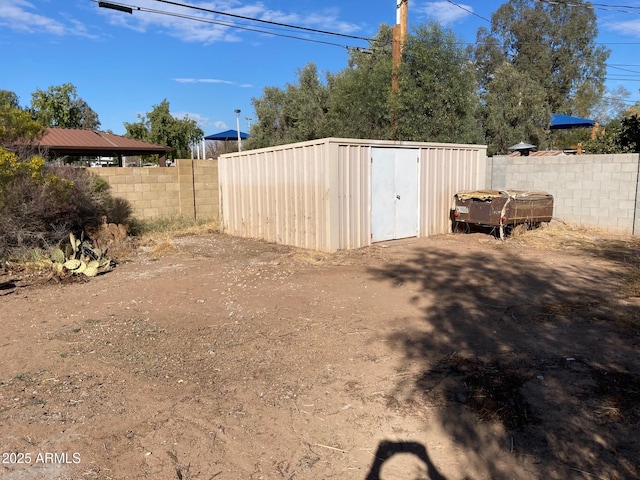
335,193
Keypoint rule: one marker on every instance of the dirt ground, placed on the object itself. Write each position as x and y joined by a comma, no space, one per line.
451,357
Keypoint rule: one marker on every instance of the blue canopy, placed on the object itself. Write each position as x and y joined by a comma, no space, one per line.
227,135
562,122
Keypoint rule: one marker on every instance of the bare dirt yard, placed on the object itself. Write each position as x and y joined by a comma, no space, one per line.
451,357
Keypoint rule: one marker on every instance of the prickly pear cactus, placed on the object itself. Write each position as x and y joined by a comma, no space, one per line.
78,257
72,264
57,255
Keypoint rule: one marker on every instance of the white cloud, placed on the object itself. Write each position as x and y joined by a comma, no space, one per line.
183,23
212,80
627,28
191,25
445,12
200,119
18,15
326,19
203,80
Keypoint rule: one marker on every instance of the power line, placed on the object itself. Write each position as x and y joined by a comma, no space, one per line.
594,6
310,30
623,69
469,11
230,25
242,17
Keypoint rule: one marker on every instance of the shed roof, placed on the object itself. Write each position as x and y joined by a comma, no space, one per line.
77,141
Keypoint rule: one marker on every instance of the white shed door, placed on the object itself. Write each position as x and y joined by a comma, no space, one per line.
394,193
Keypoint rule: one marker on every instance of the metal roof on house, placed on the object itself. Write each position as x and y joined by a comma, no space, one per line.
542,153
76,141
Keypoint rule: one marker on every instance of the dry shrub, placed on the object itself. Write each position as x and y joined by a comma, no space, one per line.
162,249
39,211
558,235
177,225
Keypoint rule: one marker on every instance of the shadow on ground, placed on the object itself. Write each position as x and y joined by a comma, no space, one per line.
543,351
387,449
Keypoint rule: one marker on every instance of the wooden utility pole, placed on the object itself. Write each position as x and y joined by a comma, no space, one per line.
399,39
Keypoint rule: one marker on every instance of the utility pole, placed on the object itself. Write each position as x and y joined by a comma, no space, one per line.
399,39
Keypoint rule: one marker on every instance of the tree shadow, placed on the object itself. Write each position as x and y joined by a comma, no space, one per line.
541,350
387,449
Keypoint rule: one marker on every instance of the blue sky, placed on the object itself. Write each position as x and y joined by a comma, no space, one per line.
122,65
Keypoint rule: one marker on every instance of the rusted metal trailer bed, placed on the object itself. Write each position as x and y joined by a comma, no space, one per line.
501,209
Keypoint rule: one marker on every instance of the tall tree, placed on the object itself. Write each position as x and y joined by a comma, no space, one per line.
436,99
291,115
271,126
611,105
436,93
359,95
554,43
60,106
160,127
515,110
308,104
7,97
630,135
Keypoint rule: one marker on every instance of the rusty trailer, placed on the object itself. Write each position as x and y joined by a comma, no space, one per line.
501,209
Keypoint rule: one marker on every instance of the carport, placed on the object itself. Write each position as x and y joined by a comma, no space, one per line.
59,142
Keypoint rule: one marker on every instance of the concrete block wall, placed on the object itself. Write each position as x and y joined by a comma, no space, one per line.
189,189
595,190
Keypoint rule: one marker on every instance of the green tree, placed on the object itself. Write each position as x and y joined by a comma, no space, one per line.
555,44
630,134
60,106
359,95
436,98
307,105
271,126
7,97
607,140
292,115
17,127
621,135
515,110
436,95
160,127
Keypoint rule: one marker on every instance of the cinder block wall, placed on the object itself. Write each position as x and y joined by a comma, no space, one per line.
189,189
596,190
